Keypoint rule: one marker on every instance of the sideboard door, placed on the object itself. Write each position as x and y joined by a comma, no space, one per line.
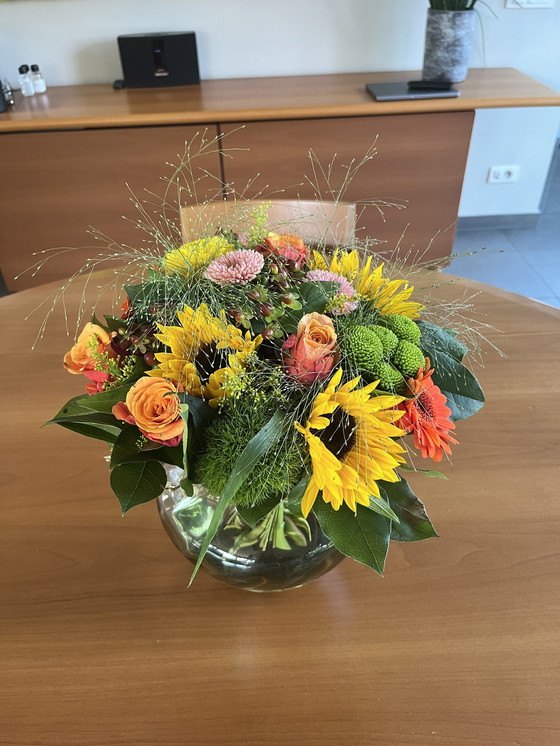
420,164
56,184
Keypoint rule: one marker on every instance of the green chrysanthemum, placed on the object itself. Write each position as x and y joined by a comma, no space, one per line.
388,339
408,358
389,377
402,326
363,347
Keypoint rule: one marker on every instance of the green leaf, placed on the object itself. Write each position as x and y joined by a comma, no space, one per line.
425,472
200,411
72,407
364,536
114,323
414,523
135,483
255,513
442,339
315,295
457,383
295,495
379,505
253,452
105,401
126,449
98,432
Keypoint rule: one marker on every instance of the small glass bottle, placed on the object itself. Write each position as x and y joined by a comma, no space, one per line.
37,79
25,82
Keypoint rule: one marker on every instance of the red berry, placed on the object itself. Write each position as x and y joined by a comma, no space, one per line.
267,333
266,309
150,359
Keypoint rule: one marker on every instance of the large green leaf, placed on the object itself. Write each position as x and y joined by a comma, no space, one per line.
457,383
424,472
105,401
252,454
126,448
107,433
314,297
295,495
72,407
381,506
414,524
201,413
442,339
364,536
138,482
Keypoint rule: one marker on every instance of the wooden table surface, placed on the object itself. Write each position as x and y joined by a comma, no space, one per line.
102,644
253,99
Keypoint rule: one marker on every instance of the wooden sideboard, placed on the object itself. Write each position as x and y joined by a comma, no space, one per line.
71,157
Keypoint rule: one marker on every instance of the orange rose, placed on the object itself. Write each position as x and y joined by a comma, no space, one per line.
287,246
152,405
80,358
310,354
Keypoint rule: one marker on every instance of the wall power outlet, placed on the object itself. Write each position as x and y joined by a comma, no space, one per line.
503,174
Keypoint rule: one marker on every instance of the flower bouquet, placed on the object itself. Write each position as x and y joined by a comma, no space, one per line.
272,396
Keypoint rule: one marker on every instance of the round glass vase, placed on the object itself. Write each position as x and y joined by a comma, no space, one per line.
283,551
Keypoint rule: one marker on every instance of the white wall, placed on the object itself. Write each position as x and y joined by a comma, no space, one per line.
74,41
507,137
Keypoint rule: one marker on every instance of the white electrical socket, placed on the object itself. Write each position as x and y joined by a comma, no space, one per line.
527,4
503,174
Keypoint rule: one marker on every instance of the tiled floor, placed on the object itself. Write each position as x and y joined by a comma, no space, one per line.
525,261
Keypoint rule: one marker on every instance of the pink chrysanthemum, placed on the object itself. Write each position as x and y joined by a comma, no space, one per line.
346,290
235,267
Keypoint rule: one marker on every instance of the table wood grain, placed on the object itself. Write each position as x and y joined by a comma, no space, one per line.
101,643
254,99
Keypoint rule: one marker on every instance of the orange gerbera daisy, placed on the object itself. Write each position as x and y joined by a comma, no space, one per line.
427,416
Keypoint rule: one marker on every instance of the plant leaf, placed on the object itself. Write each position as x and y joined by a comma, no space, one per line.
425,472
138,482
364,536
126,449
99,432
295,495
379,505
441,339
104,401
457,383
255,449
254,513
414,523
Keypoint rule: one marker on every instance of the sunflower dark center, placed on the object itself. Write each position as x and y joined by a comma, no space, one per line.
340,435
209,359
425,406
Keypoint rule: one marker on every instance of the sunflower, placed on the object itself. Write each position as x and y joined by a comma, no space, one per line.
192,257
427,416
207,354
388,296
352,445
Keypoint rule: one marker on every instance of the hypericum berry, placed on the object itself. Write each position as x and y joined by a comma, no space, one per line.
287,299
150,359
266,309
408,358
402,326
235,313
267,333
273,269
254,295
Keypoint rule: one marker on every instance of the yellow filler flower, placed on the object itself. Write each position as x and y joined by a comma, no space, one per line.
206,353
388,296
350,436
195,256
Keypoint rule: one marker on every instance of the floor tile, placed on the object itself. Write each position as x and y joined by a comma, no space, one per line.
507,270
546,264
546,235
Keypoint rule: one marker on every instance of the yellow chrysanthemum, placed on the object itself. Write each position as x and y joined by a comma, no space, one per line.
190,258
353,444
388,296
206,352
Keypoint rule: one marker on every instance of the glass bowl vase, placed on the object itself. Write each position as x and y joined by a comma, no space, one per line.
284,550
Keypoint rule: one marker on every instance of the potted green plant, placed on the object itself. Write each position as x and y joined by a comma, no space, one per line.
449,34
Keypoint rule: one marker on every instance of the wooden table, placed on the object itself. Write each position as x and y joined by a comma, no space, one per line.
457,646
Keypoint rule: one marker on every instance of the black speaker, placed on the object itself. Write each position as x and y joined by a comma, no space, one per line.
165,59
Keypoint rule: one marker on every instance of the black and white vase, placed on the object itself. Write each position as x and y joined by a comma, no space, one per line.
449,37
